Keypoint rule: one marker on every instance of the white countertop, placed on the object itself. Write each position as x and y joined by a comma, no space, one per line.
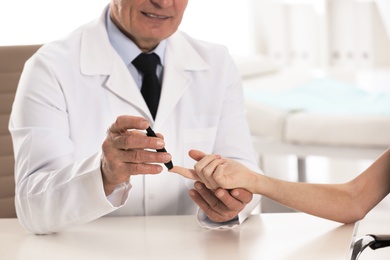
266,236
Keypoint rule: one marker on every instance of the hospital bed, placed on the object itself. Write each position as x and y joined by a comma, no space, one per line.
333,113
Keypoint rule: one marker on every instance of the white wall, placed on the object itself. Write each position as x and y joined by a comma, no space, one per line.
228,22
384,10
294,32
39,21
321,33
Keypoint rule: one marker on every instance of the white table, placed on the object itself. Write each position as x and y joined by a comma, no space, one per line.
376,222
266,236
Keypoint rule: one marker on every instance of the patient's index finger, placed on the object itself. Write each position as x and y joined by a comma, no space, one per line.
187,173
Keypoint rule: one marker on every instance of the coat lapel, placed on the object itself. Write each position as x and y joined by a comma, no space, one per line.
181,60
98,57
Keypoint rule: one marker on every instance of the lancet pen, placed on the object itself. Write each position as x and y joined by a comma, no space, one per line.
150,132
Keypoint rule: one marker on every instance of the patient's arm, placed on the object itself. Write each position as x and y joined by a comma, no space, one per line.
346,203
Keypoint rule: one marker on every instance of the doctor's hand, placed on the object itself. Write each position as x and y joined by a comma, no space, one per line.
125,154
220,205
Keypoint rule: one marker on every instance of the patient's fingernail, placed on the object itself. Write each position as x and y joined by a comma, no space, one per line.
192,193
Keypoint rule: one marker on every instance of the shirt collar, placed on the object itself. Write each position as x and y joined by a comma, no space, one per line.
125,47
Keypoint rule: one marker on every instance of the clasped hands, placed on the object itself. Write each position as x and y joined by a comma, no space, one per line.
128,151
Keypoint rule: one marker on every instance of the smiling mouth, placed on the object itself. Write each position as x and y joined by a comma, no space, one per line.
155,16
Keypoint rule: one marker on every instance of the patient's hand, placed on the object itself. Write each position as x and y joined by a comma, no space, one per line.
187,173
202,161
217,172
218,203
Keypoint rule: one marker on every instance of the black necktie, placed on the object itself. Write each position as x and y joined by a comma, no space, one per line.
151,89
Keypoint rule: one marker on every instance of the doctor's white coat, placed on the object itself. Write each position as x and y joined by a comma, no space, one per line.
73,89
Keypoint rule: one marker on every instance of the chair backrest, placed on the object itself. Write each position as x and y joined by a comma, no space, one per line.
12,59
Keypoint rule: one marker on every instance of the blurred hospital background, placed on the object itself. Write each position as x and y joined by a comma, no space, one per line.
316,73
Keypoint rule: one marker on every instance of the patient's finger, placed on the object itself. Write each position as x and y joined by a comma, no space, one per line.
187,173
196,154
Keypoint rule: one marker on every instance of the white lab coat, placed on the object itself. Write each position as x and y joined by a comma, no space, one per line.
73,89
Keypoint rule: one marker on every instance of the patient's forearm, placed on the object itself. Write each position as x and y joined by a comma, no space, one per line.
331,201
345,203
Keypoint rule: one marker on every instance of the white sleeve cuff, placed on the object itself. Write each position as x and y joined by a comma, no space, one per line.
120,195
204,221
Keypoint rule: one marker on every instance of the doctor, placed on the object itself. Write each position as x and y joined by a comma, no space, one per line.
79,118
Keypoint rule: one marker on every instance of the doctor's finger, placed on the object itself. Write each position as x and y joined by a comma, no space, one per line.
231,202
136,140
214,208
143,156
212,203
123,123
242,195
114,155
121,172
